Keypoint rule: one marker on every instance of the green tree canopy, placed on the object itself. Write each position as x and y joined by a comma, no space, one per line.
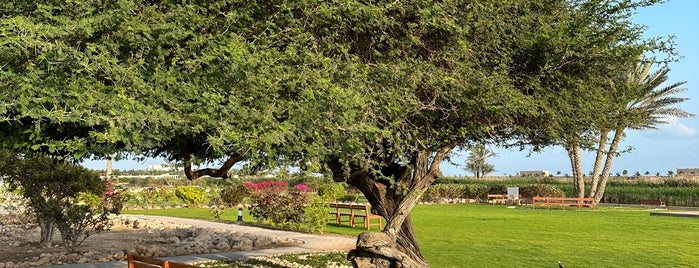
379,93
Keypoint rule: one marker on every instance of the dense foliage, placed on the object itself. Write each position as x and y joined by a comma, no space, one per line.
377,93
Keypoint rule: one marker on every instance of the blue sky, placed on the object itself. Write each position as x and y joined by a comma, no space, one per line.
674,146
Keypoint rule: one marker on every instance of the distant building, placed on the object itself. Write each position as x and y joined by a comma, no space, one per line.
159,167
534,173
688,171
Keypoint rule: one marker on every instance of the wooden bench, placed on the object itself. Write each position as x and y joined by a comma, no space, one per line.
354,211
135,261
563,202
652,202
497,198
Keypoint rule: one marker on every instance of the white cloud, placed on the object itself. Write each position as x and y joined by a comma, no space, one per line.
675,129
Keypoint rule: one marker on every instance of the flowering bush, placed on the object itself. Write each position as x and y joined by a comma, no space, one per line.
301,187
271,200
112,200
267,186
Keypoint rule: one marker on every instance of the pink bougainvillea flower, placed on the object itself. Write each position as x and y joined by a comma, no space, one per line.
301,187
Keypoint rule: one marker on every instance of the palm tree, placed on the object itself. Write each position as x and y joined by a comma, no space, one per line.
652,106
477,161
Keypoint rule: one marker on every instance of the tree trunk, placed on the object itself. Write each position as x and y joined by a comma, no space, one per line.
47,230
613,147
221,172
576,166
187,158
386,249
109,167
396,245
601,149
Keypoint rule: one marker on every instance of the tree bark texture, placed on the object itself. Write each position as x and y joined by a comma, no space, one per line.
396,245
221,172
48,228
576,164
601,150
611,155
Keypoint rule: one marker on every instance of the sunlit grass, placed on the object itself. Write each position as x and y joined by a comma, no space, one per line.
496,236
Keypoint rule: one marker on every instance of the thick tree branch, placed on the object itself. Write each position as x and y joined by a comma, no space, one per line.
221,172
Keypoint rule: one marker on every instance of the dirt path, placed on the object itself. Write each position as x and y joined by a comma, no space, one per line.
119,239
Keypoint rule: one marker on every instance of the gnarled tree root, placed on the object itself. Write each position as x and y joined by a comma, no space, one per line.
379,250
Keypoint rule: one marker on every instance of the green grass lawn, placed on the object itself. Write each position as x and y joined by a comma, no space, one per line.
496,236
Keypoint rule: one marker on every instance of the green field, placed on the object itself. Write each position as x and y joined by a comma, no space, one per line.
497,236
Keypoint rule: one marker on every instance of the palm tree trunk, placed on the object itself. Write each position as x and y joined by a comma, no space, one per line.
601,148
613,147
576,166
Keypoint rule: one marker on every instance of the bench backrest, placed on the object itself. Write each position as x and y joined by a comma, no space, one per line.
563,199
135,261
340,205
656,202
350,206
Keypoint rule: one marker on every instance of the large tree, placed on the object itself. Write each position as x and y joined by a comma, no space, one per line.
379,93
497,70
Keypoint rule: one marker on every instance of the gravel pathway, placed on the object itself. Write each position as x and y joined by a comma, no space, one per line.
311,243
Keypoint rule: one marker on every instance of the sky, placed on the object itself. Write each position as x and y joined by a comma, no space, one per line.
674,145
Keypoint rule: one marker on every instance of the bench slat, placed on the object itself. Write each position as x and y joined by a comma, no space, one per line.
353,211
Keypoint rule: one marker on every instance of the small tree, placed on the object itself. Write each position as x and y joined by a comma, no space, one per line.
51,187
477,161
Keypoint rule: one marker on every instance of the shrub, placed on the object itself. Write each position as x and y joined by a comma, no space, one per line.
317,209
272,201
217,205
540,190
332,191
191,195
78,222
111,199
234,195
497,189
443,191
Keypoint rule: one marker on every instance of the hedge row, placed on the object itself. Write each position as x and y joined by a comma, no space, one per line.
673,191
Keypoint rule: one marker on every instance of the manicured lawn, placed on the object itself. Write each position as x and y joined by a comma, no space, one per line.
496,236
